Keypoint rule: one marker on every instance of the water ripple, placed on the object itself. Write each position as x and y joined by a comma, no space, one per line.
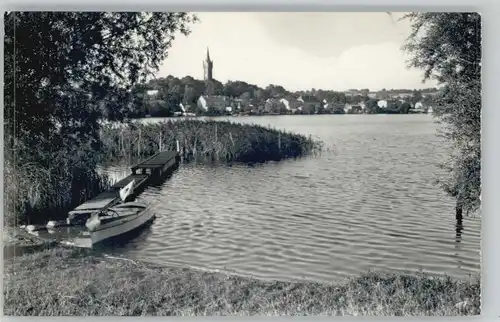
370,205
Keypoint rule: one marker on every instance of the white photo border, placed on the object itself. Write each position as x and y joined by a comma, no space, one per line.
490,11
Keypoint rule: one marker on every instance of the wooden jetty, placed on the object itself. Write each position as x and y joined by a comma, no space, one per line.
144,173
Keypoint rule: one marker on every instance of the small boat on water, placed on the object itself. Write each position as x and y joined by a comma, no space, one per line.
112,222
93,223
109,222
112,213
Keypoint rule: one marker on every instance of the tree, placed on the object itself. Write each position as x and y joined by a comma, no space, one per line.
214,87
190,95
59,55
372,106
383,94
246,96
62,71
447,46
405,108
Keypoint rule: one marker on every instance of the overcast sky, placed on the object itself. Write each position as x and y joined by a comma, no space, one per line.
299,51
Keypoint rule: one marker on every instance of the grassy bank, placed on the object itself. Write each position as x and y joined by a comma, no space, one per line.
63,282
213,140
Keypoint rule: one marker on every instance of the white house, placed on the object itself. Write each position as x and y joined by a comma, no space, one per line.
419,106
152,92
217,102
286,103
382,104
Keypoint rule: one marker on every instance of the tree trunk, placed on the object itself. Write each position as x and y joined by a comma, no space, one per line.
459,213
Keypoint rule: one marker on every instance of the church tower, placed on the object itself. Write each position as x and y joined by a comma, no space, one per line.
207,67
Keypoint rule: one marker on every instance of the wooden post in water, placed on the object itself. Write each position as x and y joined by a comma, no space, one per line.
122,142
160,144
178,147
459,213
139,144
279,141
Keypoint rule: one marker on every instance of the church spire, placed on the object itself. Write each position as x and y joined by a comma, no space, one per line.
208,55
207,67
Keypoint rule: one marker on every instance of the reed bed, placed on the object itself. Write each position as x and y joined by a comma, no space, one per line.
219,141
34,193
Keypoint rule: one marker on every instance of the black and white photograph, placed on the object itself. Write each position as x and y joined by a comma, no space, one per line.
242,163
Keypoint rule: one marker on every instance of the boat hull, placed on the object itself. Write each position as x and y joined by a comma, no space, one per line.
112,230
126,225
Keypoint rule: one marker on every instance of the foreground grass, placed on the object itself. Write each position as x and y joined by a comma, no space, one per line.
77,282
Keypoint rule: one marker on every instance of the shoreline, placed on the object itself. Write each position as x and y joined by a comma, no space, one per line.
251,115
79,282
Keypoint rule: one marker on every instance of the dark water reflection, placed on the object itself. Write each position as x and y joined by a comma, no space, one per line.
370,203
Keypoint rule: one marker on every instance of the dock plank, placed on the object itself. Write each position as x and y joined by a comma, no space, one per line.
100,201
157,160
112,196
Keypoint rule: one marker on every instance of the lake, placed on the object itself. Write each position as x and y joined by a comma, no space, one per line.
369,203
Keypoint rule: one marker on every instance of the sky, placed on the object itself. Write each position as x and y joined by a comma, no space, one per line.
298,50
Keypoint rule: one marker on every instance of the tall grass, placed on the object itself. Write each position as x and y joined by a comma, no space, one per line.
213,140
35,192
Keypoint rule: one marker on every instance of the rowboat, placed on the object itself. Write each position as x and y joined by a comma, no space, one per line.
113,212
104,224
114,220
96,222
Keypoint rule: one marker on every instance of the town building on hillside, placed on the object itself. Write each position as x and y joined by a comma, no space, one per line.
325,104
429,94
418,108
286,103
382,103
338,108
242,103
354,108
274,105
389,106
352,92
185,110
306,106
152,93
292,104
402,95
215,102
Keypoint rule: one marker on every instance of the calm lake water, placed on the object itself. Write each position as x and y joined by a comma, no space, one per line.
369,203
